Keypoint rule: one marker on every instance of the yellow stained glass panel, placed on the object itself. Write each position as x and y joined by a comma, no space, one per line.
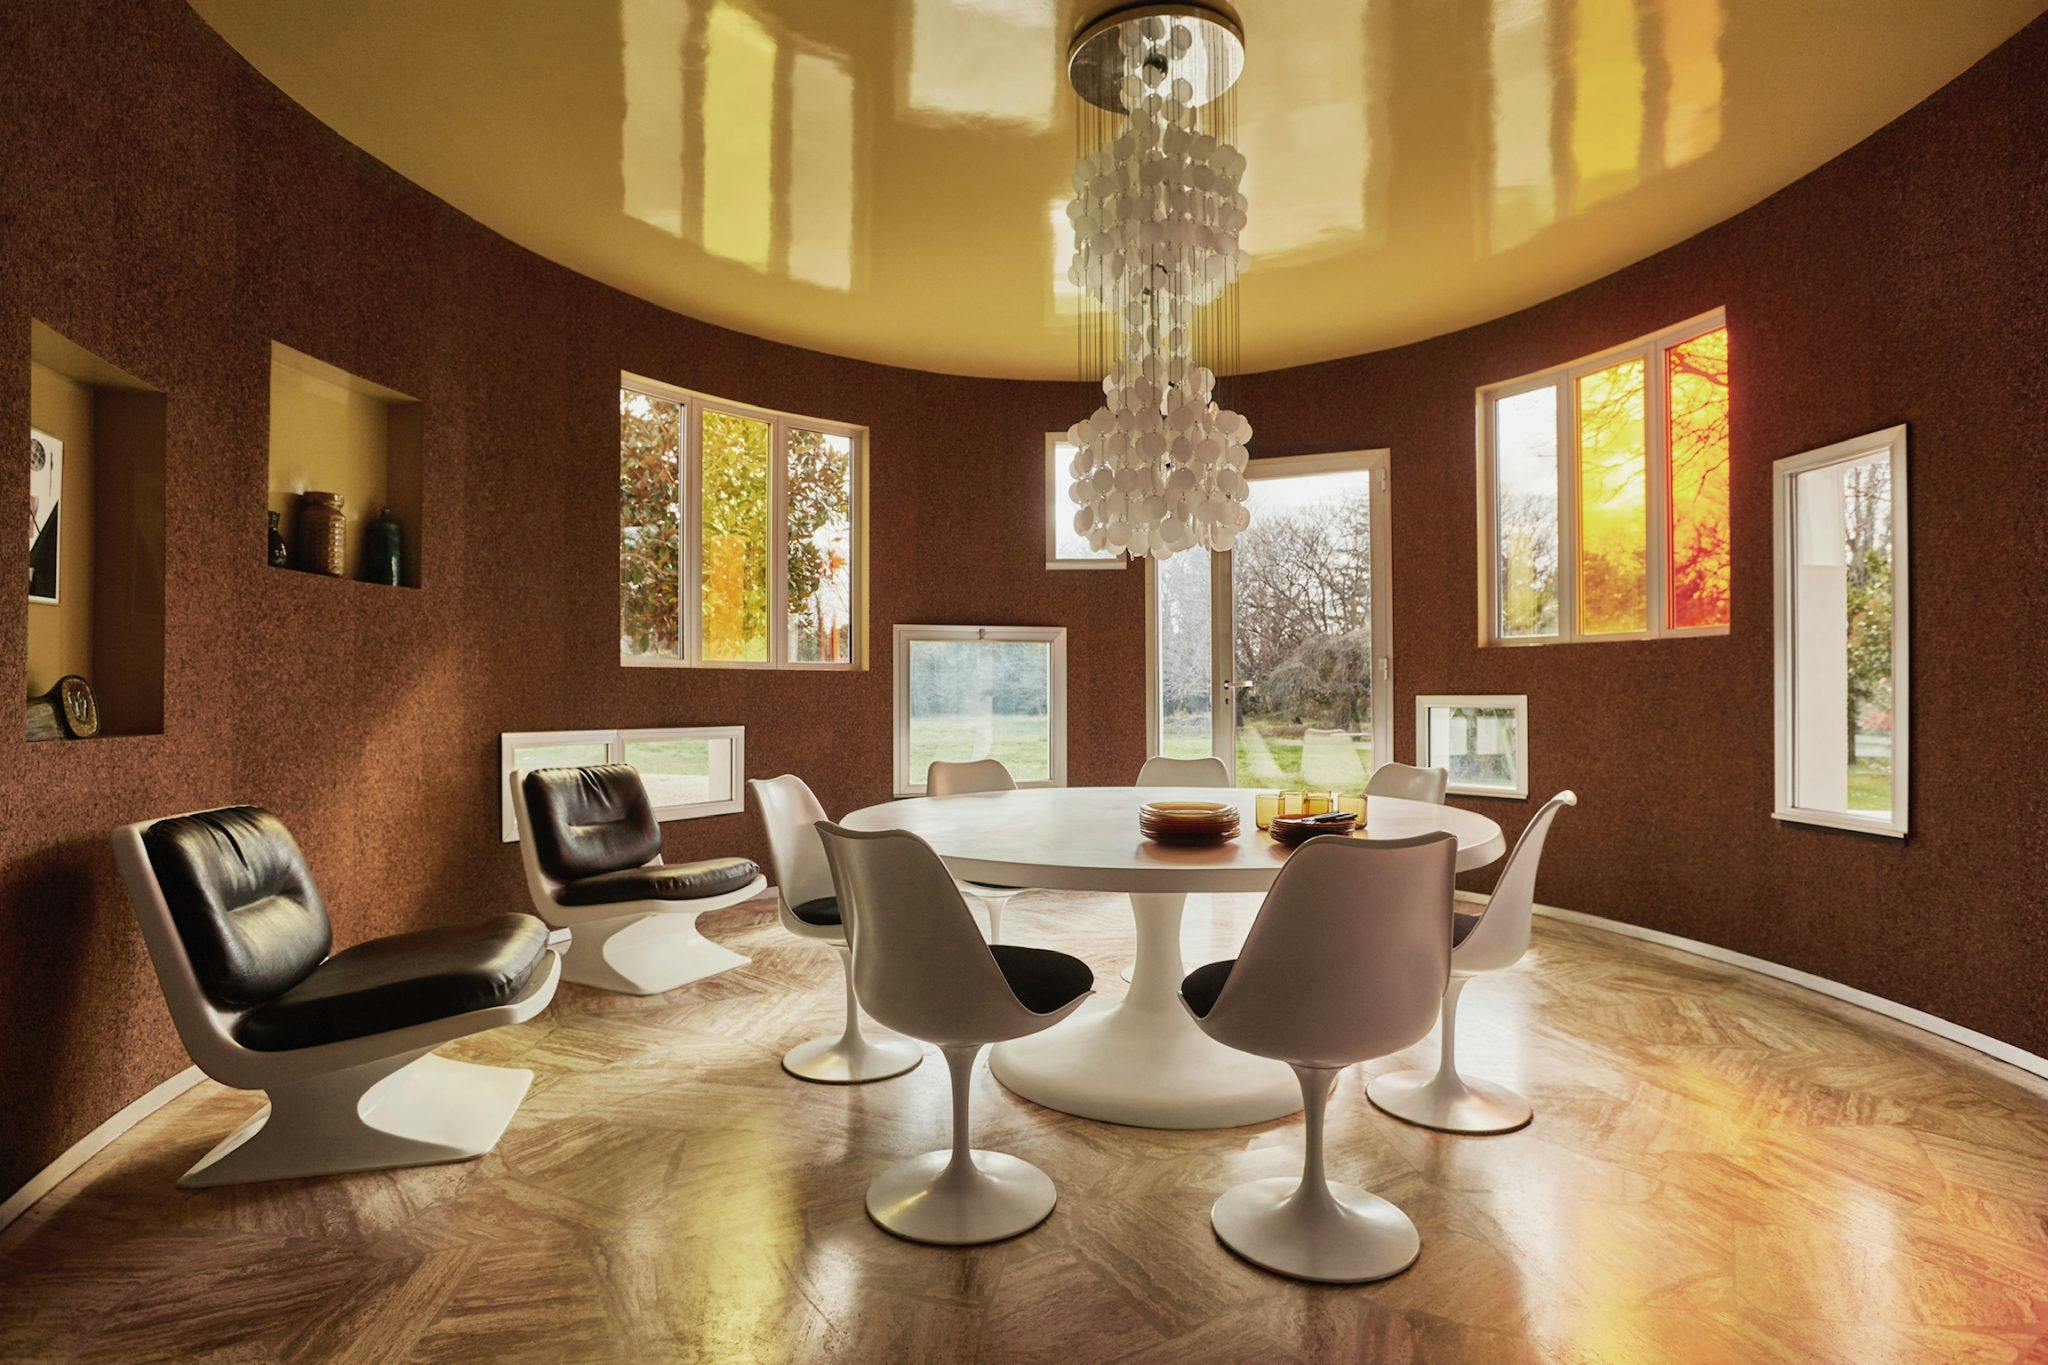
734,549
1613,501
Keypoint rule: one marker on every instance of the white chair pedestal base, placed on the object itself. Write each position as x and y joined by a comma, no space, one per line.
415,1109
1141,1060
1331,1234
960,1197
1308,1228
644,954
1444,1100
1424,1099
852,1058
933,1198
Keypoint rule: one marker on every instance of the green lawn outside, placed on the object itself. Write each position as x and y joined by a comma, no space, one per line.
1870,784
1270,755
1019,741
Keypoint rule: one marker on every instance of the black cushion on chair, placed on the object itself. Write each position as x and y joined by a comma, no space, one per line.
1204,984
661,882
997,886
821,912
590,820
1462,925
391,983
243,900
1041,979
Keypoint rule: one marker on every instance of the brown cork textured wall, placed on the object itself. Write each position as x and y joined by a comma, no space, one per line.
163,206
1902,282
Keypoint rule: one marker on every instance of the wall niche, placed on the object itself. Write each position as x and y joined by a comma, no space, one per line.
96,489
336,432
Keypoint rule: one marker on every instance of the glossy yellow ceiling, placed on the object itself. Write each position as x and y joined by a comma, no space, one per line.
886,178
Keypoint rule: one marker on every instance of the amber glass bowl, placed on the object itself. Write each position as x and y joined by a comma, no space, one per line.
1188,822
1294,829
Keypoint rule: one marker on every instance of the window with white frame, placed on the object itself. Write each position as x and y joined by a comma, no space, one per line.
1839,570
689,773
974,692
1604,494
1066,548
740,534
1482,741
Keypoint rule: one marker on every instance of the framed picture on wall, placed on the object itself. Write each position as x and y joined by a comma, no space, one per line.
45,489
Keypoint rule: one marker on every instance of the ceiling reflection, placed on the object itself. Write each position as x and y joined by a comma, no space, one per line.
887,179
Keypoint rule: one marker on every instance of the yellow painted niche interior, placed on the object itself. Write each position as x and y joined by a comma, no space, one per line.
333,432
107,623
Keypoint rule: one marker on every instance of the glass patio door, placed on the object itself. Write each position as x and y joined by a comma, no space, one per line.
1276,657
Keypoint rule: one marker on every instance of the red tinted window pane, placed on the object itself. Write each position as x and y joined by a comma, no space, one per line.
1696,375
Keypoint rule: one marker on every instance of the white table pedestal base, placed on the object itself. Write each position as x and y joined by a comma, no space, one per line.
1141,1060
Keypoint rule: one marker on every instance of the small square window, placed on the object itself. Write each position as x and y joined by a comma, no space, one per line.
972,692
1482,741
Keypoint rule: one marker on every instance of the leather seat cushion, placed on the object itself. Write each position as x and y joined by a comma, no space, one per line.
661,882
1040,978
242,899
391,983
1204,985
1462,926
590,820
821,912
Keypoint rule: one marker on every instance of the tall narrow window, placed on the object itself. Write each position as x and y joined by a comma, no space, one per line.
820,553
1840,570
1525,509
739,534
650,528
1628,535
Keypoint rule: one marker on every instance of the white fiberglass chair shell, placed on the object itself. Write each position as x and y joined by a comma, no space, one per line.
341,1044
1346,962
1487,942
592,853
923,969
1161,771
945,778
1410,783
810,909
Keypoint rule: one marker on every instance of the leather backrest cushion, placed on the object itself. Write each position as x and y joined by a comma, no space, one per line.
243,901
590,820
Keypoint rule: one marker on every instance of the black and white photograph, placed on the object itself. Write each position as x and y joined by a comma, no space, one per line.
45,492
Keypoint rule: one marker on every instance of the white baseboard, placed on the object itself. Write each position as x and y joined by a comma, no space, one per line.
90,1146
1877,1004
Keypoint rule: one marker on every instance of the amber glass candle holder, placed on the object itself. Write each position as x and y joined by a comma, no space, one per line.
1293,803
1353,805
1318,802
1265,808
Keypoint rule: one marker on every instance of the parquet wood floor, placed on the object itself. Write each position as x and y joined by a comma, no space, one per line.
1722,1168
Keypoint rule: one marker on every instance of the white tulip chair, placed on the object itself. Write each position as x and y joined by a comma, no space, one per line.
1490,941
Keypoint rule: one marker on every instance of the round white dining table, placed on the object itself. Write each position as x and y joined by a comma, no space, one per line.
1140,1059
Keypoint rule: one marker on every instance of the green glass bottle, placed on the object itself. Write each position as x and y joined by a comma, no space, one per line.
381,553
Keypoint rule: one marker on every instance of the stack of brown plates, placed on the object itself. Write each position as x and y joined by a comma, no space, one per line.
1294,829
1188,822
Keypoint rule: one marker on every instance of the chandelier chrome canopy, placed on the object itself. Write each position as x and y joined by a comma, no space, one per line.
1157,210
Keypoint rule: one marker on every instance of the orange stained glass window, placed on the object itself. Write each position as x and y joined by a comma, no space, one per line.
1696,373
1613,501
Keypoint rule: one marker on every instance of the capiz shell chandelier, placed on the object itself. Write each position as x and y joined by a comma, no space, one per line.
1157,210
